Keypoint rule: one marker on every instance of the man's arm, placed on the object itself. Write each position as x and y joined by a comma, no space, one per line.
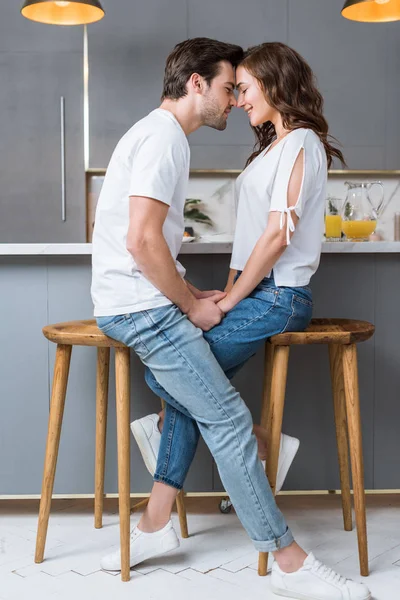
146,242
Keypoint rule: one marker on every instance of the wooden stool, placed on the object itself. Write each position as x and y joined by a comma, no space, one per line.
86,333
341,336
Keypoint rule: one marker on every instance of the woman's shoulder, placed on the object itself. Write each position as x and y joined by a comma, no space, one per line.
304,134
304,137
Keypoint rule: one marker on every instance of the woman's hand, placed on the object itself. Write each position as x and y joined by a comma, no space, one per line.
225,304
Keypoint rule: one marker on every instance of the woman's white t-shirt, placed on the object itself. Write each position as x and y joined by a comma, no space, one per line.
151,160
263,187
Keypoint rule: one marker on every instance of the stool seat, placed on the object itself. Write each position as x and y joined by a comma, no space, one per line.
80,333
327,331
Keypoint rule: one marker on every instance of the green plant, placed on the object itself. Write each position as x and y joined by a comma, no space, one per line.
347,210
193,211
332,208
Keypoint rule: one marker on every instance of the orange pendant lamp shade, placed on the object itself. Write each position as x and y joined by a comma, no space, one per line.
372,11
62,12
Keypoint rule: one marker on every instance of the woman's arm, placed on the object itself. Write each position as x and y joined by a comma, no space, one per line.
271,245
231,277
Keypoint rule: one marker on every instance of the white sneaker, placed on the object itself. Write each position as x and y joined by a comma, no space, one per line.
287,451
316,581
143,546
148,438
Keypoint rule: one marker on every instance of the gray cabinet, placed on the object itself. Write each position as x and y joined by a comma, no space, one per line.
247,24
127,52
30,147
24,374
39,64
355,64
18,34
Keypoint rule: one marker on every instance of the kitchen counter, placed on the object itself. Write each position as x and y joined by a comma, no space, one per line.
200,247
50,283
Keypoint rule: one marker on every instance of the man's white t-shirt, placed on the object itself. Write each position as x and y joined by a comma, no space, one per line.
151,160
263,187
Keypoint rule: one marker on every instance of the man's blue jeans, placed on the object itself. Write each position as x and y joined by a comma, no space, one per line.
188,375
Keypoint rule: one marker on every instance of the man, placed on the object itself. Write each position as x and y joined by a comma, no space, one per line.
142,300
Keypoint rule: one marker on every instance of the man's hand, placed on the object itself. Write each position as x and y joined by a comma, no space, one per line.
204,313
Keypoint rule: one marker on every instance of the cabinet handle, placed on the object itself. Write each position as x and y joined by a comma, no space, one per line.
63,183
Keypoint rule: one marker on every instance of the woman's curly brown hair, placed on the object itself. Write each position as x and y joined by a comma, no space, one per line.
289,86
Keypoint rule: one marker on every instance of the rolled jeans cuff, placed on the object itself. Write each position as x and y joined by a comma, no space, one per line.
167,481
276,544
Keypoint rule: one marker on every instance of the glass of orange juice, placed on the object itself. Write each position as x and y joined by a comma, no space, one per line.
333,219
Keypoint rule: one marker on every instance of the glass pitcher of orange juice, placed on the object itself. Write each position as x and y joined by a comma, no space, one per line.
360,213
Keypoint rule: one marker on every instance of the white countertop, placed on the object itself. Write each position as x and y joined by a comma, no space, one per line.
214,247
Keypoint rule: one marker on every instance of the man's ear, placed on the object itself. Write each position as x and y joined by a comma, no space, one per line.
196,82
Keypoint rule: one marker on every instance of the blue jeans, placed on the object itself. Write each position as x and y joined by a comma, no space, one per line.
192,381
267,311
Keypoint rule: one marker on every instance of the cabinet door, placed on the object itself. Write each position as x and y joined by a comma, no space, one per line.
18,34
24,378
127,52
247,24
30,147
349,60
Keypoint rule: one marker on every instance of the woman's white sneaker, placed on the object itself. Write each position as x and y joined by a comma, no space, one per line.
148,438
316,581
143,546
287,451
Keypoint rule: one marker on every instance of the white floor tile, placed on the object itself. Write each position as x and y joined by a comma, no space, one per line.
217,560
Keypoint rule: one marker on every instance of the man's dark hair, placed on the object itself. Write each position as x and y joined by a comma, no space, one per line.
198,55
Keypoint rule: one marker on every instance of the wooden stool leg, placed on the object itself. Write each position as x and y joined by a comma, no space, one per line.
339,405
103,369
180,502
274,427
350,372
268,362
58,393
181,508
122,382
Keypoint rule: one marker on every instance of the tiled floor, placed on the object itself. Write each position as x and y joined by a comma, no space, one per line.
216,561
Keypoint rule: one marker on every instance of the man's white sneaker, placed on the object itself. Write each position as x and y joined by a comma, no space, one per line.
148,438
316,581
143,546
287,451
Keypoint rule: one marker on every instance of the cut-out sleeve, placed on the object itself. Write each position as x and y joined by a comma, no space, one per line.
291,152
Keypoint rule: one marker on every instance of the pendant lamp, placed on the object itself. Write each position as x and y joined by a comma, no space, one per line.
61,12
372,11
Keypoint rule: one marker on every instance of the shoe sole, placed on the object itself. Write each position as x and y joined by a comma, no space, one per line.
150,459
288,458
298,596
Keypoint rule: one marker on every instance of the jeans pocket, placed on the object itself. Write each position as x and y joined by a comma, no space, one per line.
108,323
301,314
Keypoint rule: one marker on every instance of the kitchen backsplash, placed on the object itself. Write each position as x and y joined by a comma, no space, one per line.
216,193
